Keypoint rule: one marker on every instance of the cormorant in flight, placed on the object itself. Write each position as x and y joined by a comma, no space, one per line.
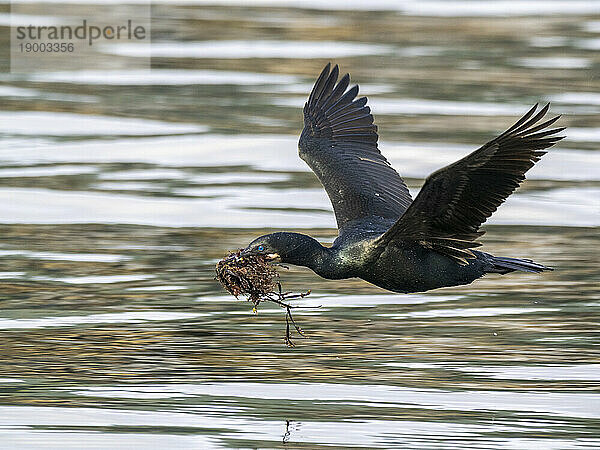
386,237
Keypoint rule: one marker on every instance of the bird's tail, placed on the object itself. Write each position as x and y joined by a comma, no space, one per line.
501,264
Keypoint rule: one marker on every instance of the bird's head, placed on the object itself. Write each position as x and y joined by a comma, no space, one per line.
291,248
268,246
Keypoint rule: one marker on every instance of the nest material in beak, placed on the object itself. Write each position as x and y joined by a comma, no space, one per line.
248,274
253,275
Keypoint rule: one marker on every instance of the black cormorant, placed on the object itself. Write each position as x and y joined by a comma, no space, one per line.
385,237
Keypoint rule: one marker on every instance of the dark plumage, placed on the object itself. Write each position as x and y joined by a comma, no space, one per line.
385,237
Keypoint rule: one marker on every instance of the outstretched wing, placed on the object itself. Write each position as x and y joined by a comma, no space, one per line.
339,143
456,200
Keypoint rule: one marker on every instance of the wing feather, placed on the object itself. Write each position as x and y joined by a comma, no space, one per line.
456,200
339,143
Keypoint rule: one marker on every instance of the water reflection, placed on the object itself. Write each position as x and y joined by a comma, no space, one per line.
162,77
248,49
67,124
120,189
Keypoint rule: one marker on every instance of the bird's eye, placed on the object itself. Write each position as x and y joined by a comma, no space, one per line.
260,248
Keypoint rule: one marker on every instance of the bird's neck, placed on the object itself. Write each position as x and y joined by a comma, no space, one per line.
308,252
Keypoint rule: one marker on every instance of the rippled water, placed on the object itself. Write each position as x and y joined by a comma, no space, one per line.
120,189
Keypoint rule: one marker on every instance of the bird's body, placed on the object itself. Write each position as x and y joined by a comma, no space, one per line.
410,267
385,237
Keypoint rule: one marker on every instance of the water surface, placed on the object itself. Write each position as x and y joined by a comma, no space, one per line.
121,189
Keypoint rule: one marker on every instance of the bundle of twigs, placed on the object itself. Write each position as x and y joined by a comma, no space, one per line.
254,277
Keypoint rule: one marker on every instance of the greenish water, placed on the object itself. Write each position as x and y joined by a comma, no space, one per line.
120,191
